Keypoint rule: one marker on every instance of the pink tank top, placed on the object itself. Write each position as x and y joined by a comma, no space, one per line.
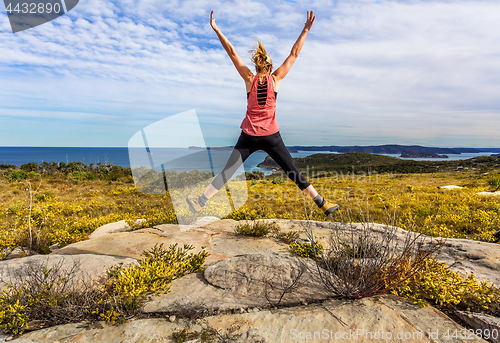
261,121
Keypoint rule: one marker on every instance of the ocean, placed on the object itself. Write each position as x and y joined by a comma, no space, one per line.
180,158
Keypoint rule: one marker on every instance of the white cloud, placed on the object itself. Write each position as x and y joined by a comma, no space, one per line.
412,71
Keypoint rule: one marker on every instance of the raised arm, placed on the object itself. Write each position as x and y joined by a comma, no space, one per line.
245,73
281,72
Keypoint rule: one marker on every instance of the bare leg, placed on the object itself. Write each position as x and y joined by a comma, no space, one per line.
311,192
210,191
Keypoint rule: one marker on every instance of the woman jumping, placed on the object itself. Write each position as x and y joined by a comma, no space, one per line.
259,128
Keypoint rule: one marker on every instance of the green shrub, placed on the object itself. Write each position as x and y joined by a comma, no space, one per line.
254,175
263,229
4,166
306,249
15,208
438,284
156,270
113,176
287,237
494,182
79,175
44,196
256,229
30,167
34,175
18,175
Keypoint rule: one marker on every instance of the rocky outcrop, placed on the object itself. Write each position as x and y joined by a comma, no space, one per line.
246,282
479,193
380,318
488,325
489,193
480,258
450,187
219,239
269,163
116,227
256,280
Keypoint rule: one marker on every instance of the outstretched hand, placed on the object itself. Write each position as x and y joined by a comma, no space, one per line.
212,21
310,20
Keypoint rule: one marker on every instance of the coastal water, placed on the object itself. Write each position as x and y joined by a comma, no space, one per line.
187,159
179,159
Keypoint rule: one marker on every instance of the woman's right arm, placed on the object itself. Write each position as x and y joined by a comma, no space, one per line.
281,72
245,73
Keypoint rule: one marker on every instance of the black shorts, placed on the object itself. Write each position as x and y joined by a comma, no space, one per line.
273,145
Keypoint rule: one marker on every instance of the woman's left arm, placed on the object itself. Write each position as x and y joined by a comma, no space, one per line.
245,73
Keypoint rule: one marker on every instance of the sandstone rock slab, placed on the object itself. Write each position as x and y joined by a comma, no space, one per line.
255,280
193,294
219,239
250,275
362,320
132,244
488,325
480,258
489,193
450,187
107,229
231,244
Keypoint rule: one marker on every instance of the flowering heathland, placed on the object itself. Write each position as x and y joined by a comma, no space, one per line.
62,209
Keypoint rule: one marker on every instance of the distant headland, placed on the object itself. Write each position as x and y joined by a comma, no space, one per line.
395,149
378,149
414,154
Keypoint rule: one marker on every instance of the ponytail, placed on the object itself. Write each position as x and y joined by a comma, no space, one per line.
261,59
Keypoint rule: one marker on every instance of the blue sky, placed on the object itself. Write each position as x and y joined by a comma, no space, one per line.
370,72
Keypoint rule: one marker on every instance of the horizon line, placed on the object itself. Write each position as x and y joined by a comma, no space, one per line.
231,146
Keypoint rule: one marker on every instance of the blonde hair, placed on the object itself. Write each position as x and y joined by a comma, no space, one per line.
261,59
